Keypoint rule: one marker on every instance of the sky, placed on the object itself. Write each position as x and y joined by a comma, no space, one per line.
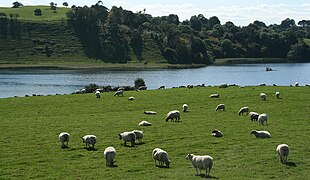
240,12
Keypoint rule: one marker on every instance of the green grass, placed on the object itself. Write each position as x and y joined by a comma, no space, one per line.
307,41
26,13
30,126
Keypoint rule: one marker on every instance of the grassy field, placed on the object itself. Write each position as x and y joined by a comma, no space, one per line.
26,13
30,126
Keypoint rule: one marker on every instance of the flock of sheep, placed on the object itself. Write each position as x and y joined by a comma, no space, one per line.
201,162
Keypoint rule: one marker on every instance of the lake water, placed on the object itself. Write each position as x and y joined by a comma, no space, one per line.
39,81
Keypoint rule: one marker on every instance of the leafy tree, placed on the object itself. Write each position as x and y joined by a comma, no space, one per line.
137,43
139,82
3,25
195,23
287,23
65,4
299,52
214,21
17,4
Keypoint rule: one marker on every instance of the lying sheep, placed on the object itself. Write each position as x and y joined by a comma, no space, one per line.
150,112
161,156
220,107
263,96
243,110
89,140
216,133
185,107
283,151
64,137
161,87
109,154
175,114
97,93
201,162
261,134
139,135
145,123
119,93
214,96
131,98
142,88
253,116
262,118
128,137
277,94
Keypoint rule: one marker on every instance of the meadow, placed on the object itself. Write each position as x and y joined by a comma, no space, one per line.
30,148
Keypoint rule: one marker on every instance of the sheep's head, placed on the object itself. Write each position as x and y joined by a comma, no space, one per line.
83,139
253,132
120,136
168,163
189,156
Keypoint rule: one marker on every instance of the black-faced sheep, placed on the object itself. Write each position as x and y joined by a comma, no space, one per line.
220,107
161,156
139,135
97,93
201,162
89,140
128,137
185,107
131,98
261,134
175,114
253,116
277,94
119,93
263,96
109,154
216,133
64,137
243,110
283,151
262,118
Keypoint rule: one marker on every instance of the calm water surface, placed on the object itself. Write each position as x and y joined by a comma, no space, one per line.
39,81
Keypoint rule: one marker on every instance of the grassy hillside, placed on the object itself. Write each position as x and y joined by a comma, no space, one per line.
30,126
26,13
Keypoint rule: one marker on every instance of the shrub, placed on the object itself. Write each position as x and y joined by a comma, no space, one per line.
139,82
91,87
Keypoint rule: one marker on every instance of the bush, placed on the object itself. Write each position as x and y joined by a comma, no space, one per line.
91,87
139,82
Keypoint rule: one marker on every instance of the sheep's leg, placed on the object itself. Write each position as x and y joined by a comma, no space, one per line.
196,172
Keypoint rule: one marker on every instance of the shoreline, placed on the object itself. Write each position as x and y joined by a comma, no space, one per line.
140,66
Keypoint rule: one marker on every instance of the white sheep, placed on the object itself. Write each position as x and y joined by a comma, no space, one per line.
282,151
261,134
128,137
139,135
119,93
262,118
131,98
83,91
97,93
263,96
175,114
220,107
109,154
216,133
154,152
145,123
253,116
89,140
243,110
64,137
150,112
214,96
161,156
201,162
277,94
296,84
185,107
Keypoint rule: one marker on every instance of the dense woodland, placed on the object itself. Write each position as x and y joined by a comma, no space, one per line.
114,35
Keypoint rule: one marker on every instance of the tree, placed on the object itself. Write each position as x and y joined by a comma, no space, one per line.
287,23
37,12
139,82
53,6
65,4
17,4
195,23
214,21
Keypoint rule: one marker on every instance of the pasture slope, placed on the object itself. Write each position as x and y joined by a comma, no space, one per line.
30,126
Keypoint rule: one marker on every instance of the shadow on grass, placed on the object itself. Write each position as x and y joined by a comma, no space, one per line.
90,149
204,176
162,166
291,164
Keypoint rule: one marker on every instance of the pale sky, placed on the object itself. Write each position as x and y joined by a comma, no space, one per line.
240,12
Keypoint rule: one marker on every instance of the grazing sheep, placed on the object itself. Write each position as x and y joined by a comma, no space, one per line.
145,123
119,93
89,140
83,91
109,154
189,86
201,162
263,96
283,151
142,88
161,87
139,135
161,156
261,134
128,137
64,137
296,84
214,96
131,98
277,94
185,107
97,93
243,110
150,112
220,107
216,133
262,118
154,152
253,116
173,114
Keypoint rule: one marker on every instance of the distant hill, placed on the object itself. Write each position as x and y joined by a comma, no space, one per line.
97,34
